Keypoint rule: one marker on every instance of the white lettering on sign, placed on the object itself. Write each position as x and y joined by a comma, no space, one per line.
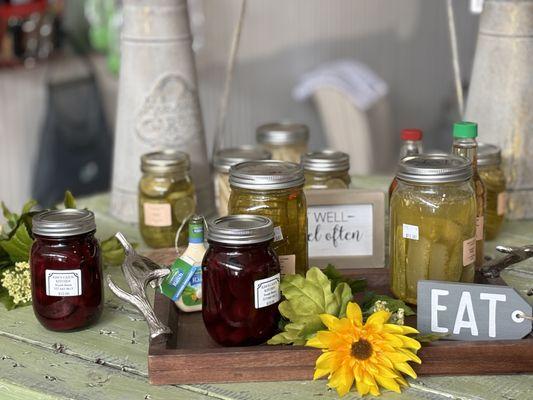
410,232
340,230
435,308
465,304
493,299
471,311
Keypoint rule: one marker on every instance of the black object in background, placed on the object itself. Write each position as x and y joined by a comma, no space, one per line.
75,145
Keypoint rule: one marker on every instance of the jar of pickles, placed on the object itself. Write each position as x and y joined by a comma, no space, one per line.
240,281
286,141
223,160
274,189
326,169
166,197
432,223
489,167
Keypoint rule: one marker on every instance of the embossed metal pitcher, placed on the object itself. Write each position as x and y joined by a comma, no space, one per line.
158,103
501,94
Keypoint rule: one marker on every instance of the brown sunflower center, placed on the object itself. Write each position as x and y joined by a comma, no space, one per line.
361,349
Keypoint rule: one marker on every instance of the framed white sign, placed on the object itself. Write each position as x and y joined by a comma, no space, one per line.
346,228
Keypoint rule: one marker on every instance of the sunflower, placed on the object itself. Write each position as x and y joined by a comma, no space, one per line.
373,354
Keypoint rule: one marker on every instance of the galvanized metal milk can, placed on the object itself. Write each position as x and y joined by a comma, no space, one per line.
158,105
501,94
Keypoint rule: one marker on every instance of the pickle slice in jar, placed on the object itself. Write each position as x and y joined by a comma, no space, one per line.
183,205
336,184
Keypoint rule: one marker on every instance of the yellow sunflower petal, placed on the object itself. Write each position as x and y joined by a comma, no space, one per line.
395,357
341,380
401,381
362,388
406,369
319,373
354,314
386,372
412,356
376,320
410,342
399,329
388,383
331,322
325,360
374,390
394,340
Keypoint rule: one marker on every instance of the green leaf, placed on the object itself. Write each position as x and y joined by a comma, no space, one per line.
356,284
11,218
69,201
28,206
18,246
112,251
392,304
6,299
305,299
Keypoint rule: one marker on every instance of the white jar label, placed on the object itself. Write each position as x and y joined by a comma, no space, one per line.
266,291
469,251
63,282
410,232
287,264
502,203
479,228
278,234
157,214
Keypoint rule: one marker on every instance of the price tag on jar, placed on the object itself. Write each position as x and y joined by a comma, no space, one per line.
462,311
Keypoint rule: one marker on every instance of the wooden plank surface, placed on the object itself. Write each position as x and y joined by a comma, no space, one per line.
111,345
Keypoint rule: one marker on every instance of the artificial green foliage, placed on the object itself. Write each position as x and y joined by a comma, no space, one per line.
18,243
356,284
305,298
69,200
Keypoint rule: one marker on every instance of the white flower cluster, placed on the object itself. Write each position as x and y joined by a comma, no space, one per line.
397,318
17,282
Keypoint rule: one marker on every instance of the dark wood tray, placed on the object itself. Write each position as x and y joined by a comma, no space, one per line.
189,355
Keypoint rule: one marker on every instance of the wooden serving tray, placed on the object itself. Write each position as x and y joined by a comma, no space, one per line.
189,355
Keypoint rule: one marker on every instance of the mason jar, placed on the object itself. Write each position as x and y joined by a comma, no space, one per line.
166,198
432,223
274,189
223,160
326,169
66,270
285,141
489,162
241,277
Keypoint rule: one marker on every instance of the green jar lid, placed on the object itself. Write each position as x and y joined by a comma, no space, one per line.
465,130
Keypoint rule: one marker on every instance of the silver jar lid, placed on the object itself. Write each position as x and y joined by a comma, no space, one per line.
434,168
224,159
266,175
326,161
241,229
488,155
67,222
282,133
165,161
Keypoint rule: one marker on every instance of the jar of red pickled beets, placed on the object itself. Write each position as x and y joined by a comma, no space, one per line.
240,281
66,269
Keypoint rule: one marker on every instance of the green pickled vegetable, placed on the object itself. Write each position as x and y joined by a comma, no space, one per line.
441,222
288,210
327,180
165,203
494,180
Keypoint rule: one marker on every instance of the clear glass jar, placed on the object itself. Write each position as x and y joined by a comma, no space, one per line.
241,276
285,141
432,223
491,173
223,160
274,189
167,198
326,169
66,270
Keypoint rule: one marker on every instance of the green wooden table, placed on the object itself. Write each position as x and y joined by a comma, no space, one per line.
109,360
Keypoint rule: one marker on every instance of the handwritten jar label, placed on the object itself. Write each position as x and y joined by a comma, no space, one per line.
63,283
469,251
410,232
502,202
479,228
287,264
157,214
266,291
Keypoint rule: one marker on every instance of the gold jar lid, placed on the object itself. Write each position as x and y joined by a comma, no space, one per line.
165,161
488,155
326,161
282,133
266,175
434,168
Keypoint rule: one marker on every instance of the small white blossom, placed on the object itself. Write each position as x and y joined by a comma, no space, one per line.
17,282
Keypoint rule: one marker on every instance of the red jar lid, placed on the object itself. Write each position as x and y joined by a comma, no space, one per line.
411,134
